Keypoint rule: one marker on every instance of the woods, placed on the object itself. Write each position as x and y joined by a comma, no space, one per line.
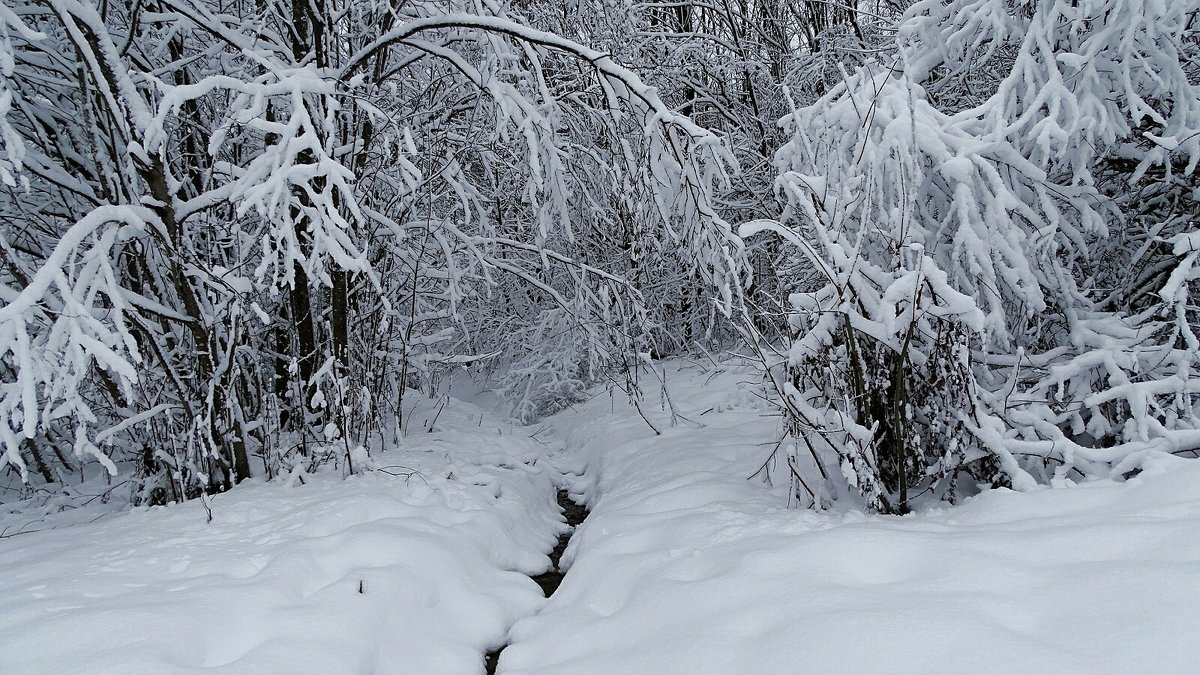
957,236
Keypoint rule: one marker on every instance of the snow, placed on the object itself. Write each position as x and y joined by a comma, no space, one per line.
419,566
685,566
689,562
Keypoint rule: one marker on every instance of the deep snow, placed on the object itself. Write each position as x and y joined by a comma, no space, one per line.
685,565
441,552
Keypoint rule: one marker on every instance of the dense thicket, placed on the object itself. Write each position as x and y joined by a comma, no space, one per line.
999,209
235,234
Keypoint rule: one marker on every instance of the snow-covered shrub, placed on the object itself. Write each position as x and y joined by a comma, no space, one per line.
997,193
903,226
549,371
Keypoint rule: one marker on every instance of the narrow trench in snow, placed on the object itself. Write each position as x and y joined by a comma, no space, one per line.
550,579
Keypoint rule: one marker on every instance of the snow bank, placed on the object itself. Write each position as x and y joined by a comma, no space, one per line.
417,572
685,566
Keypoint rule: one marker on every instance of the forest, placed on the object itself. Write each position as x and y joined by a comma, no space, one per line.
941,250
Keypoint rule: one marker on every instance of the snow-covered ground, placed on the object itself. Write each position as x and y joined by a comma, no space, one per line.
419,567
685,565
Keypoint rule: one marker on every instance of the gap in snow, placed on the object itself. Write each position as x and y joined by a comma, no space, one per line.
549,580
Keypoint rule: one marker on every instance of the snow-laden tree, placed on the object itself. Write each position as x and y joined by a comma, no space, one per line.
962,205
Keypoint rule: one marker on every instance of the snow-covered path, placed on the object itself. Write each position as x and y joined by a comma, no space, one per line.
685,566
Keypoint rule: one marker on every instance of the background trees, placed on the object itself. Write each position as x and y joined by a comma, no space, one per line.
246,230
235,235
